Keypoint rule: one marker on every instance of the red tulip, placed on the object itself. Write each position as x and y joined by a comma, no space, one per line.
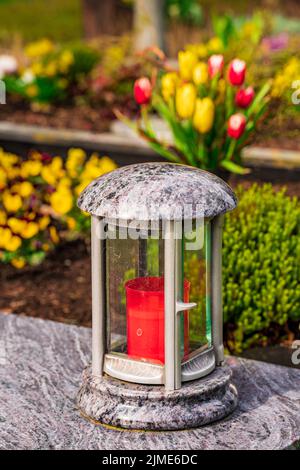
215,65
244,97
236,125
237,72
142,90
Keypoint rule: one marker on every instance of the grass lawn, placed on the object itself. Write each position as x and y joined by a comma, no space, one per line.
33,19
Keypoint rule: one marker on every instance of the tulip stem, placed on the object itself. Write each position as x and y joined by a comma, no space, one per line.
231,149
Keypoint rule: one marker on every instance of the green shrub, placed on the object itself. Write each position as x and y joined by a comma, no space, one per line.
261,266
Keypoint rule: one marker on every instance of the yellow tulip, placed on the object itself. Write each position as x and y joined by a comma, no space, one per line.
30,230
202,51
18,263
204,115
61,201
12,202
13,243
187,61
185,100
200,73
168,85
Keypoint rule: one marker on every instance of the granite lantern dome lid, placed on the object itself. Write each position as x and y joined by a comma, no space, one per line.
157,191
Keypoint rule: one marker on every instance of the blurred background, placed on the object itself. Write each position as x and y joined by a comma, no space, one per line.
103,38
67,65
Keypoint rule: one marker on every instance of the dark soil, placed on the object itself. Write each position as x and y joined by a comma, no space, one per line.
84,118
59,289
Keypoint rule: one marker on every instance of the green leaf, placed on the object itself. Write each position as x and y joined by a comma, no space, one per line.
234,167
182,137
258,98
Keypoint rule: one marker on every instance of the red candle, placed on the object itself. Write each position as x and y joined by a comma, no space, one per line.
145,318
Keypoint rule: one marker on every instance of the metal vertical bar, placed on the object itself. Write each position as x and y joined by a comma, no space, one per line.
179,339
170,305
217,311
98,295
142,258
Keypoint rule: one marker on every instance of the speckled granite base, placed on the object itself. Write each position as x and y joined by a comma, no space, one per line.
41,364
134,406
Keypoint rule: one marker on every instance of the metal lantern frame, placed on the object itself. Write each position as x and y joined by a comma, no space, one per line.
173,372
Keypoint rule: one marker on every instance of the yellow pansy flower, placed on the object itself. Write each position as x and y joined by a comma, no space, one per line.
54,235
75,159
82,186
204,115
11,202
187,61
48,175
71,222
37,68
44,222
61,201
56,164
31,215
185,100
25,189
16,225
5,236
18,263
3,218
50,69
31,168
168,85
13,243
8,159
32,91
107,164
200,73
65,61
3,178
30,230
39,48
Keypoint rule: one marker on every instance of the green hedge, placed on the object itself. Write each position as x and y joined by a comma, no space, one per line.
261,266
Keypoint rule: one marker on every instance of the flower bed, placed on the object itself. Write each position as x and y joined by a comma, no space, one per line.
38,202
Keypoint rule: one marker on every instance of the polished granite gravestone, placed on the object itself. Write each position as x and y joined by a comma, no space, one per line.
41,363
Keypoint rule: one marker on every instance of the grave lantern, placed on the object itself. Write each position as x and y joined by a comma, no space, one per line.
157,342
